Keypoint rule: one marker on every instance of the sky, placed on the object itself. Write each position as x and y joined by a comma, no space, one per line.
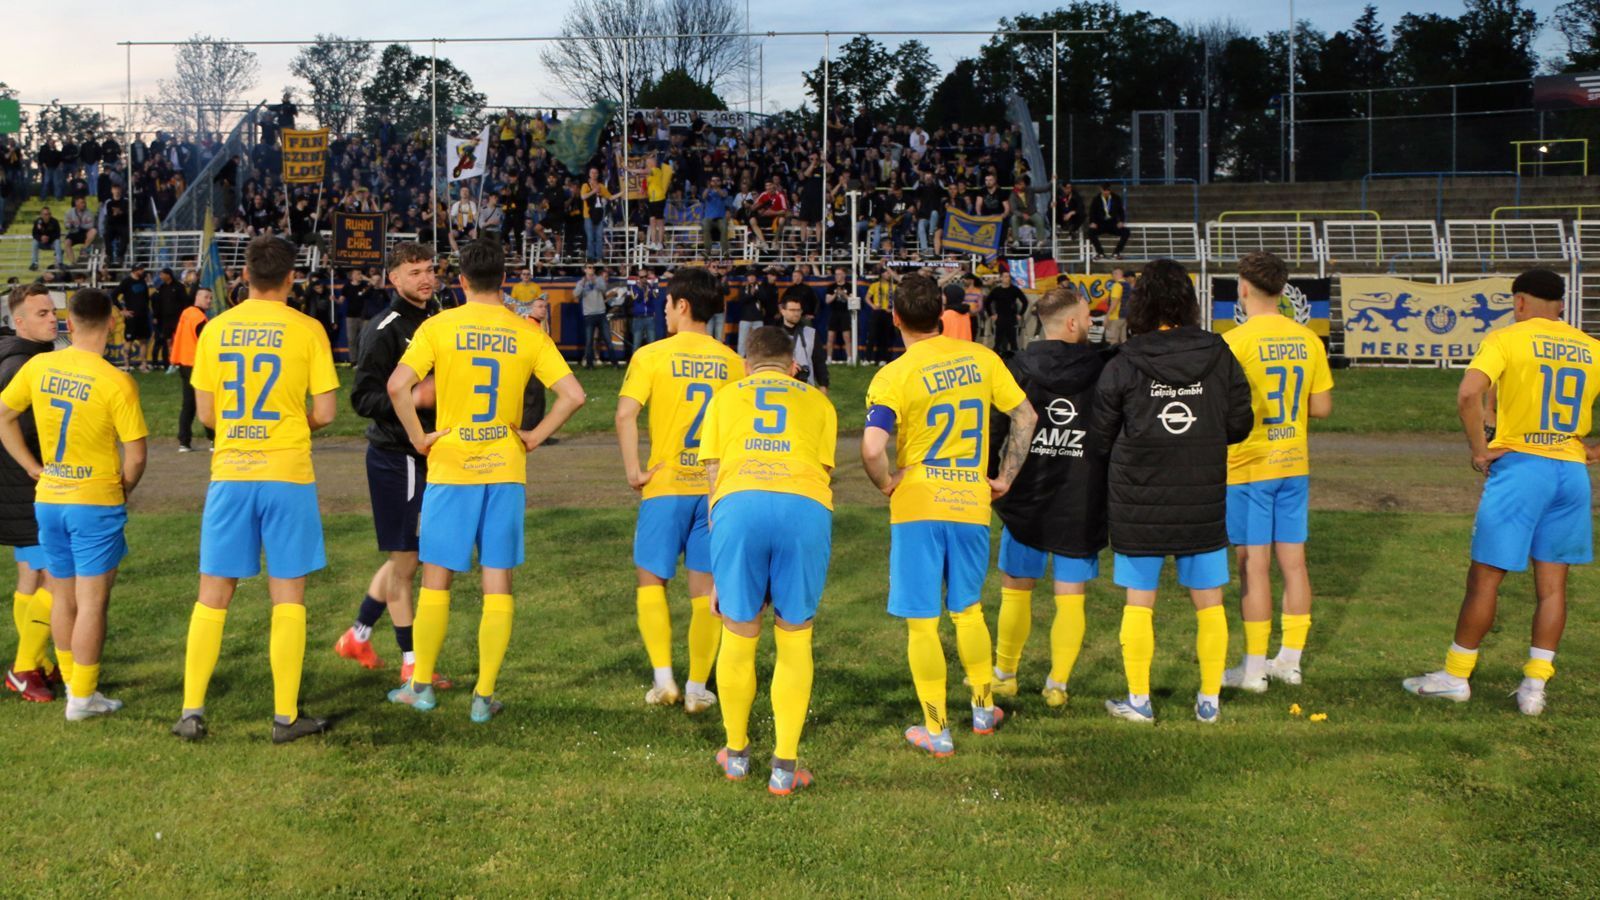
75,58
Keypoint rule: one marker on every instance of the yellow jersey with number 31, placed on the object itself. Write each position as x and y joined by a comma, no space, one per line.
771,432
259,361
675,379
940,392
482,357
1285,364
83,406
1546,379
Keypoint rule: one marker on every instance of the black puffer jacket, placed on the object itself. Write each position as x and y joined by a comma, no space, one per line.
1166,409
1058,501
17,525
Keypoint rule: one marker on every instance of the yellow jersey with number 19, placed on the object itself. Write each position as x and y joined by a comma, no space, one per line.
675,379
83,406
1285,364
482,357
259,361
771,432
1546,379
940,392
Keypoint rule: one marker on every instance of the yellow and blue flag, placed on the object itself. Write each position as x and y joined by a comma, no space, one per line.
211,273
974,234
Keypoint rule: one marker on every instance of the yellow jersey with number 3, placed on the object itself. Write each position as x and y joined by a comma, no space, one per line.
1285,364
1546,380
482,357
675,380
771,432
83,406
259,361
940,392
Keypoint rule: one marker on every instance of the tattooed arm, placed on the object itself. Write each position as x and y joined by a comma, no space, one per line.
1015,451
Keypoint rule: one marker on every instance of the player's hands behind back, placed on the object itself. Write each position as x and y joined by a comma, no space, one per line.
638,480
426,444
1480,464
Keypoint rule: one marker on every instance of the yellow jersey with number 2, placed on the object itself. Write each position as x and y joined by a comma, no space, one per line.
1546,380
675,379
83,406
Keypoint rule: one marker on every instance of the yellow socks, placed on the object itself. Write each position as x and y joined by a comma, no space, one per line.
19,618
1295,629
736,684
1211,647
494,635
791,690
64,664
1541,664
1016,620
200,657
928,670
704,632
33,629
85,680
655,625
1258,634
1066,637
287,649
1138,637
1459,661
427,632
973,646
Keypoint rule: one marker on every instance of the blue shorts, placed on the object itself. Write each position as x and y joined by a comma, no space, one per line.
458,517
1535,507
934,566
751,559
34,556
670,527
394,482
243,518
1274,511
1021,561
1196,571
79,539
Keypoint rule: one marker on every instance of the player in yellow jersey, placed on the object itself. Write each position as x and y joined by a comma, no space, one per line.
254,367
676,378
938,396
482,357
1536,501
1268,472
768,449
84,407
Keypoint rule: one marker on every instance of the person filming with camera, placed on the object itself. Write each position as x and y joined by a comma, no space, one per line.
810,354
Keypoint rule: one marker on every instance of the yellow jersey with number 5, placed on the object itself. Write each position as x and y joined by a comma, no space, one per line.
1546,379
1285,364
482,357
939,393
771,432
259,361
83,406
675,379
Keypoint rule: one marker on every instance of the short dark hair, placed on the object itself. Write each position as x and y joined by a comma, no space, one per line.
90,307
1265,272
483,265
769,343
1058,300
919,304
1541,283
21,293
268,260
796,293
407,252
698,288
1163,296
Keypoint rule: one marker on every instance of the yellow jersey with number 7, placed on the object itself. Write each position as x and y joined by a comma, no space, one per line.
1546,379
259,361
83,406
675,379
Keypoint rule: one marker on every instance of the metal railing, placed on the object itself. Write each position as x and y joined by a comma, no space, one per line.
180,249
1586,241
1438,184
1381,243
205,193
1295,241
1544,208
1486,242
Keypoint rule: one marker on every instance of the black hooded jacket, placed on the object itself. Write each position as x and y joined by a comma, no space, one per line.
1166,409
383,342
1058,501
18,528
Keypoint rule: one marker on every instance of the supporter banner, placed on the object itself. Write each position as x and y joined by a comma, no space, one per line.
973,234
1306,300
636,176
468,156
10,116
1031,274
305,156
1579,90
716,118
358,239
1392,318
574,140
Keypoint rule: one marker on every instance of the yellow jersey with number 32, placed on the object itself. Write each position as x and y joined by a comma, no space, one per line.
675,380
259,361
1546,379
1285,364
83,406
940,392
482,357
771,432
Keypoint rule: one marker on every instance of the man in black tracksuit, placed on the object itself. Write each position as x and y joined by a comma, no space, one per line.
1166,409
1057,505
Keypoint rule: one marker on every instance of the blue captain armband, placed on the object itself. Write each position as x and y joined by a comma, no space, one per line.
880,417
